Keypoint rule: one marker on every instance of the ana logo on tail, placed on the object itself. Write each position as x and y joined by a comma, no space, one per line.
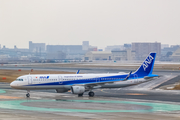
147,62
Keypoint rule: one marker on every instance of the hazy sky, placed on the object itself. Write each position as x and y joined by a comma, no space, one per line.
102,22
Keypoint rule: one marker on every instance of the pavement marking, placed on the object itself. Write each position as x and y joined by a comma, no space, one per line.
2,91
156,107
162,82
135,94
102,90
9,97
126,93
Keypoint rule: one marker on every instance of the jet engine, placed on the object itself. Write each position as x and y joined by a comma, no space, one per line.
61,90
77,89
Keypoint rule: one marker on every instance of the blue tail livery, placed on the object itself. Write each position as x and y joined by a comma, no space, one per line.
146,68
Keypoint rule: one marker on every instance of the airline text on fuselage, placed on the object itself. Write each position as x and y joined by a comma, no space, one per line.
44,77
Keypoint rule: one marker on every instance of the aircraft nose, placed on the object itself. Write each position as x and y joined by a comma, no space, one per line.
13,84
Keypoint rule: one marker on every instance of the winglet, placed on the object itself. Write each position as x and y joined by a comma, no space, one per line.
128,76
78,72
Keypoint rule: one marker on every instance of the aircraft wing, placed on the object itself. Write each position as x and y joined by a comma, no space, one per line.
94,85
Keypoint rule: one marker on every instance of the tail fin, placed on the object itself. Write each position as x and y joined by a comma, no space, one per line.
147,66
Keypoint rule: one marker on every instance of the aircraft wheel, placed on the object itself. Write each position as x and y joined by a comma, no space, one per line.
27,95
80,95
91,94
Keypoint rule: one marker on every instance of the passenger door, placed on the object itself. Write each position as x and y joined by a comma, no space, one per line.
135,78
60,79
29,80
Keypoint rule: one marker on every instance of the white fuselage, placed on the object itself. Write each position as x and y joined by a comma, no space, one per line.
65,81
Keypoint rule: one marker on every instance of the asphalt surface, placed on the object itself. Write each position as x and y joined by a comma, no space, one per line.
55,106
169,82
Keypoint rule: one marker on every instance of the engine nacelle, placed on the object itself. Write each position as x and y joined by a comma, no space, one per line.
61,90
77,89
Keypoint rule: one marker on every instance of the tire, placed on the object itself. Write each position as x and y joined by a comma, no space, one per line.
80,95
91,94
27,95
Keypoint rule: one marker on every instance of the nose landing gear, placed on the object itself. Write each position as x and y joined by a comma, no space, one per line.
28,94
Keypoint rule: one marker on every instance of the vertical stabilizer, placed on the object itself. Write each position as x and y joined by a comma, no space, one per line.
147,66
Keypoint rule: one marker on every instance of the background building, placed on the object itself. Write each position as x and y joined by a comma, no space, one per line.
97,55
176,55
114,47
93,48
56,56
71,51
167,52
164,46
85,45
38,52
37,47
123,55
143,49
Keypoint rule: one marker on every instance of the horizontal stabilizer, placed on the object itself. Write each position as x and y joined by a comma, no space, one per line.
151,76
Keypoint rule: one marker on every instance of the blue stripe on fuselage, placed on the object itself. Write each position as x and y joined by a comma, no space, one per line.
92,80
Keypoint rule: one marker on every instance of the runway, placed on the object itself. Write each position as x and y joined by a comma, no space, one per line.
143,101
47,105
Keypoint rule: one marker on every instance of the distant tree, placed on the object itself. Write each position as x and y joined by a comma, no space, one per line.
169,54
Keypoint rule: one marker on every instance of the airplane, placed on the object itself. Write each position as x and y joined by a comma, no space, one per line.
80,83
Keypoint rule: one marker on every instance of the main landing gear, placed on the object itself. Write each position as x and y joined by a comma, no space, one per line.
91,94
28,94
80,95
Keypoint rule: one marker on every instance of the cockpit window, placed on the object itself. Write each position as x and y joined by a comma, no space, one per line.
19,79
